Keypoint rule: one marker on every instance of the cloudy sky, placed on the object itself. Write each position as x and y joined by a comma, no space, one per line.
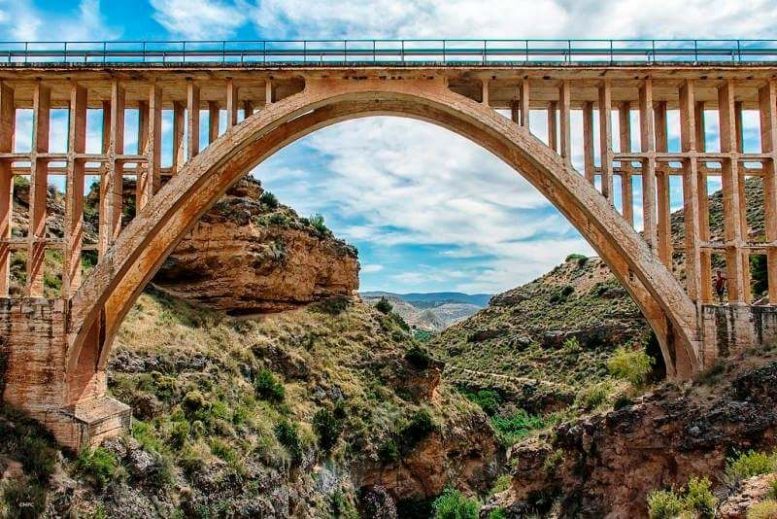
427,209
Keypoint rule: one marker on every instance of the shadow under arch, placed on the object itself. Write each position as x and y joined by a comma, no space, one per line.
109,292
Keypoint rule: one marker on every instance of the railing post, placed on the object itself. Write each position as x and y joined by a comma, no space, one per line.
105,51
65,52
695,51
485,49
223,52
403,51
144,52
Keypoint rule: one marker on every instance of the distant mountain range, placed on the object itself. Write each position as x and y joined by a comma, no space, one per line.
432,311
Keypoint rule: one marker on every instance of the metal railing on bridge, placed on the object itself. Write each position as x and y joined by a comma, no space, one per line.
463,52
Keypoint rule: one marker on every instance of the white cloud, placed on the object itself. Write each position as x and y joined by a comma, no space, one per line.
508,18
372,268
21,21
199,19
412,183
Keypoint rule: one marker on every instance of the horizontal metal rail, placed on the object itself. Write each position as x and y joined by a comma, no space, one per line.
388,52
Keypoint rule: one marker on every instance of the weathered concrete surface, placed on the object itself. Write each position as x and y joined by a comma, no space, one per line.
141,248
729,330
33,357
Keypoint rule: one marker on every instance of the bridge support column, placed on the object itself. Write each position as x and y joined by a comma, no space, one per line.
33,376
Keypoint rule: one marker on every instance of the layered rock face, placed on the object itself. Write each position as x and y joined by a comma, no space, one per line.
605,465
249,254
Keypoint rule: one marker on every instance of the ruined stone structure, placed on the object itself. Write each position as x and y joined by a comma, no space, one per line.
55,350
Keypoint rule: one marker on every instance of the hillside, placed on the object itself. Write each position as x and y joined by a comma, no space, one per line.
434,311
523,331
321,408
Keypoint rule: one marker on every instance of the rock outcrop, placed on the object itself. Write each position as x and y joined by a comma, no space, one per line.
605,465
251,255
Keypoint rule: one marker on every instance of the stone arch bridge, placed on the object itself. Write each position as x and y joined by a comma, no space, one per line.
55,349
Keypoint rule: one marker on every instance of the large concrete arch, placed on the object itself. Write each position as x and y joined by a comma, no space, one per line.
108,293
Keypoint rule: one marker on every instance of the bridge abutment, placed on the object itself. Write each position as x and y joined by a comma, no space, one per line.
730,330
34,378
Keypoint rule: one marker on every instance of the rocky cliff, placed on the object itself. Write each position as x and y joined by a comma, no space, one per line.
250,254
606,464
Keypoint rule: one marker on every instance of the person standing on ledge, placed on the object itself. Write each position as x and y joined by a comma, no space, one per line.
720,284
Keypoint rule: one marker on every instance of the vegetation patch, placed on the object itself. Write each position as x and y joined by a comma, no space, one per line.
696,500
452,504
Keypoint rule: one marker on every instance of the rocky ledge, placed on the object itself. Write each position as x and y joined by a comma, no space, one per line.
250,254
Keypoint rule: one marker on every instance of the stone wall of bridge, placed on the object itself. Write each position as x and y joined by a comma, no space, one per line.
729,330
33,359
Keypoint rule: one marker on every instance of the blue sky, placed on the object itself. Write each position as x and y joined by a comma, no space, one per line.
427,209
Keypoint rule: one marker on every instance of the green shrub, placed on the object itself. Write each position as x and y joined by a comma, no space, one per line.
488,400
288,436
750,464
513,428
632,365
501,484
383,306
317,222
98,465
594,396
418,357
22,499
268,387
419,427
452,504
342,507
572,345
580,259
179,434
664,504
328,428
773,488
700,499
763,510
193,402
389,451
333,305
622,401
269,199
497,513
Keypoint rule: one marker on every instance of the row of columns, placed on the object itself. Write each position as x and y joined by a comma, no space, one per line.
655,174
112,159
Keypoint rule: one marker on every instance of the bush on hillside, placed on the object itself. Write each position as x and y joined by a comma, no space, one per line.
268,387
287,434
697,501
763,510
328,428
452,504
269,199
318,223
98,465
632,365
383,306
418,357
749,464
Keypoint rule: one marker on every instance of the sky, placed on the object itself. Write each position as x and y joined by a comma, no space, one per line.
427,209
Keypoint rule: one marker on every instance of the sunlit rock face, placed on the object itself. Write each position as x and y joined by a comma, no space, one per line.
249,254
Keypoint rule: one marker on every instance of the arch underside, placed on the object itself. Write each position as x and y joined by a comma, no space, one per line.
109,292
